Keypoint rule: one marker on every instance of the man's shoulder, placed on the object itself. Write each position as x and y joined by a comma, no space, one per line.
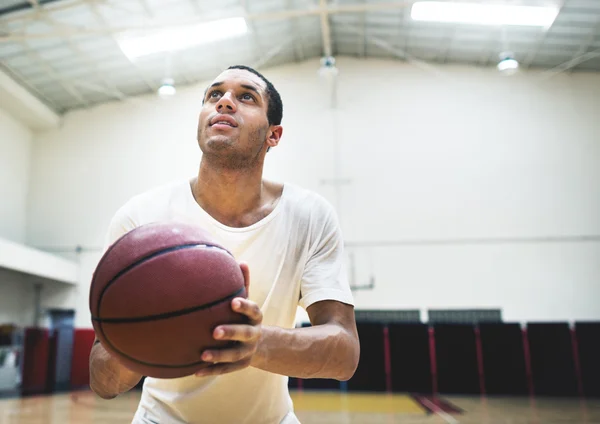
151,205
307,203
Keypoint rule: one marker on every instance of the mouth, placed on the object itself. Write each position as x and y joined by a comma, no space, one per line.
223,121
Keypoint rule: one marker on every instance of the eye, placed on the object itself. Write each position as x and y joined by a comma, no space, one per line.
247,96
214,94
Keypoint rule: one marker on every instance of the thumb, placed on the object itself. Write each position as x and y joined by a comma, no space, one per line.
246,273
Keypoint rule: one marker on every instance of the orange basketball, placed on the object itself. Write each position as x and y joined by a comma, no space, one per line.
158,293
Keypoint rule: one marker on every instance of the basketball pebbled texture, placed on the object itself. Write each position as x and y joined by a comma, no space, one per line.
158,293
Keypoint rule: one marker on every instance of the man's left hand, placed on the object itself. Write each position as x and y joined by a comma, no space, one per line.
247,337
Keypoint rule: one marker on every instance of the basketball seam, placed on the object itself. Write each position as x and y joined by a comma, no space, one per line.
146,258
151,364
165,315
139,261
129,268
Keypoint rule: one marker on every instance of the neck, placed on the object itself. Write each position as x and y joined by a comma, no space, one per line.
228,194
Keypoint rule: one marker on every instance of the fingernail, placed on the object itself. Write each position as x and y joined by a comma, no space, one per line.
206,356
237,304
219,333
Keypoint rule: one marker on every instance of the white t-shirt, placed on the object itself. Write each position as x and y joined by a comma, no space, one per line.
295,256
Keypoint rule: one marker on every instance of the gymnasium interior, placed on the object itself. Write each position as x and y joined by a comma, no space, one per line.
458,142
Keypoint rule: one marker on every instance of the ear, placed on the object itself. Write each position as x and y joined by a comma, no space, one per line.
274,135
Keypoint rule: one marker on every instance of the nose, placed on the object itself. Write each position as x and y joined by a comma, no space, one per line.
226,104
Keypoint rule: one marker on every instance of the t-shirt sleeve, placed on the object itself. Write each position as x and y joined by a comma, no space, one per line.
121,223
325,275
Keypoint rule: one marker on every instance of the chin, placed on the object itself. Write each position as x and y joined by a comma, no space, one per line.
219,142
218,145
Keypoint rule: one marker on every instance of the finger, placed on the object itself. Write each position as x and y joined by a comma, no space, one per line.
237,332
248,308
219,369
235,354
246,273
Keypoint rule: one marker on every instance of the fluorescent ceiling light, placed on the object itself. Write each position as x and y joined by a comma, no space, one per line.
167,89
483,14
508,66
180,38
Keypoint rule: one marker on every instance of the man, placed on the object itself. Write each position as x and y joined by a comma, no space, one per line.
290,250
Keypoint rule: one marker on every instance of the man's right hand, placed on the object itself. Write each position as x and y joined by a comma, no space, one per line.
108,377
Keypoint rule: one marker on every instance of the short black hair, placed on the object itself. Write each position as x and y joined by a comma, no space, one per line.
274,104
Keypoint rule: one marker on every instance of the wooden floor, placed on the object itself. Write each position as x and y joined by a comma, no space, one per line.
318,408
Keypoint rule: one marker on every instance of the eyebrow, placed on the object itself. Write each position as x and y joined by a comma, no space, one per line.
246,86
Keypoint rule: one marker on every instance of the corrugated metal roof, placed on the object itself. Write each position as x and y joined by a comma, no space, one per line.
66,52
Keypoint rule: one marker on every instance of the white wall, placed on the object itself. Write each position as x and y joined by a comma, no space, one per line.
466,179
16,299
15,152
433,162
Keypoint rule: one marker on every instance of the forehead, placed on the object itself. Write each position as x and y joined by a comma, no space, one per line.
240,76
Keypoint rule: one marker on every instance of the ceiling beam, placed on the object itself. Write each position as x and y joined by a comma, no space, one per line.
100,19
585,46
273,52
488,49
362,35
321,11
444,50
109,88
69,88
19,7
53,7
540,40
299,53
252,32
402,54
19,79
570,64
325,28
405,22
189,74
26,106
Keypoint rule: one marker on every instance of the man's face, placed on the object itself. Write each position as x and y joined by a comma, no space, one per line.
233,124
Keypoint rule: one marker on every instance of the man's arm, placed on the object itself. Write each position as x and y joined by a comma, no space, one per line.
328,349
108,378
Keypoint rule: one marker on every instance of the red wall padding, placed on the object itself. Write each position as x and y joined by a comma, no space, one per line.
82,346
35,361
